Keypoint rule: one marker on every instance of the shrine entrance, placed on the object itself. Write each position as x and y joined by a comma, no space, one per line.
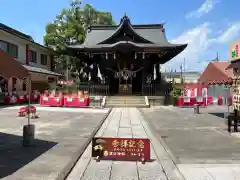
125,82
130,81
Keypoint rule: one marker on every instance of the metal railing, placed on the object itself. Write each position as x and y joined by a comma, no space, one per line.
95,89
97,92
148,89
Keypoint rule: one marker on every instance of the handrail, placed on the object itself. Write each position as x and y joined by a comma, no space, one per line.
146,101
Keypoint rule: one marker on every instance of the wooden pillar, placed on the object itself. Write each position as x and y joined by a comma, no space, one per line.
52,62
27,54
158,73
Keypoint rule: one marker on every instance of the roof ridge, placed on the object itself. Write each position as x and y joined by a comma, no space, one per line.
125,23
137,26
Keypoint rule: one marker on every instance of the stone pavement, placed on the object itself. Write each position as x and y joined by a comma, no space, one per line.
198,144
61,137
126,122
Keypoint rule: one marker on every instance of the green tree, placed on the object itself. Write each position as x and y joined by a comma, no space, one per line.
70,27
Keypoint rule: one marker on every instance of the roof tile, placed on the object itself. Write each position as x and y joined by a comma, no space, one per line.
216,72
40,70
9,67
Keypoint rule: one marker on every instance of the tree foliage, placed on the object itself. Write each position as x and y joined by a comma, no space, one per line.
70,27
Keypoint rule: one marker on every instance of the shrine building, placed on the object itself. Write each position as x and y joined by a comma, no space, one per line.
126,57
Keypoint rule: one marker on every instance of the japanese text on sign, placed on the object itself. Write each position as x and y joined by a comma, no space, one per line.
122,148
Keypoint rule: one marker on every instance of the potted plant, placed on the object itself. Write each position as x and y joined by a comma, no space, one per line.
176,92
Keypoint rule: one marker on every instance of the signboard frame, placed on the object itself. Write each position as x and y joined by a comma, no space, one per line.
234,51
121,149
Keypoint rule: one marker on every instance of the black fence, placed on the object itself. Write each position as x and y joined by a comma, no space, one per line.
105,89
148,89
95,89
96,93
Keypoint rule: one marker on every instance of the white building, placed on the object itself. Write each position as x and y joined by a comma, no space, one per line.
36,58
188,77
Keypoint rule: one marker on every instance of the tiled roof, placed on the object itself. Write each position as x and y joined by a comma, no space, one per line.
154,34
41,70
222,66
21,35
9,67
15,32
216,73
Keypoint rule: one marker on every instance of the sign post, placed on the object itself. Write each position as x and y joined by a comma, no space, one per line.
29,129
125,149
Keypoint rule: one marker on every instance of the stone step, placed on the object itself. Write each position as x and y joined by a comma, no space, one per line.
125,101
127,105
119,101
126,97
113,104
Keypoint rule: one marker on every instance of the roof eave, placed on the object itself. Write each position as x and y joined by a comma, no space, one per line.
27,39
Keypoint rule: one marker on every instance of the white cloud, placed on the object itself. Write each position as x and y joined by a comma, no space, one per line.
230,34
205,8
226,36
197,40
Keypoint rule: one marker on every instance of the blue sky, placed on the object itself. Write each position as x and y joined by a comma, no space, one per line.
208,26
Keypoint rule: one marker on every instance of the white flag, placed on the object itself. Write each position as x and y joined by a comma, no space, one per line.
99,74
89,76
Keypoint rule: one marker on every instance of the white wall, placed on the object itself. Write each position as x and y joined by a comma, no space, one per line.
40,51
21,43
186,79
17,41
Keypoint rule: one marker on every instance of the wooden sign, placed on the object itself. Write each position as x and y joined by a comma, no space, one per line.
126,149
125,88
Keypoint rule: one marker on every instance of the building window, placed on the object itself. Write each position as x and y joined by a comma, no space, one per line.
9,48
32,56
43,59
4,46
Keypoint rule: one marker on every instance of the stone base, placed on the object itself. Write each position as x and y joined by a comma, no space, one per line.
156,100
28,135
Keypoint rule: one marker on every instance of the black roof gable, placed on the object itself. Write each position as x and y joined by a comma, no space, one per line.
126,28
111,37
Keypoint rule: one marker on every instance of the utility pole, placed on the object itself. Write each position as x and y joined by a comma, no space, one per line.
181,77
170,74
184,64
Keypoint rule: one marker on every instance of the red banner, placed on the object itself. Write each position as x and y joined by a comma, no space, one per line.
127,149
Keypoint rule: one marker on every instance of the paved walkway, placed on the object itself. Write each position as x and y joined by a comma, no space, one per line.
200,145
61,136
126,122
210,171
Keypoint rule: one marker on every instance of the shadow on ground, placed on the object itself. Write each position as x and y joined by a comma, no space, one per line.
221,115
14,156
